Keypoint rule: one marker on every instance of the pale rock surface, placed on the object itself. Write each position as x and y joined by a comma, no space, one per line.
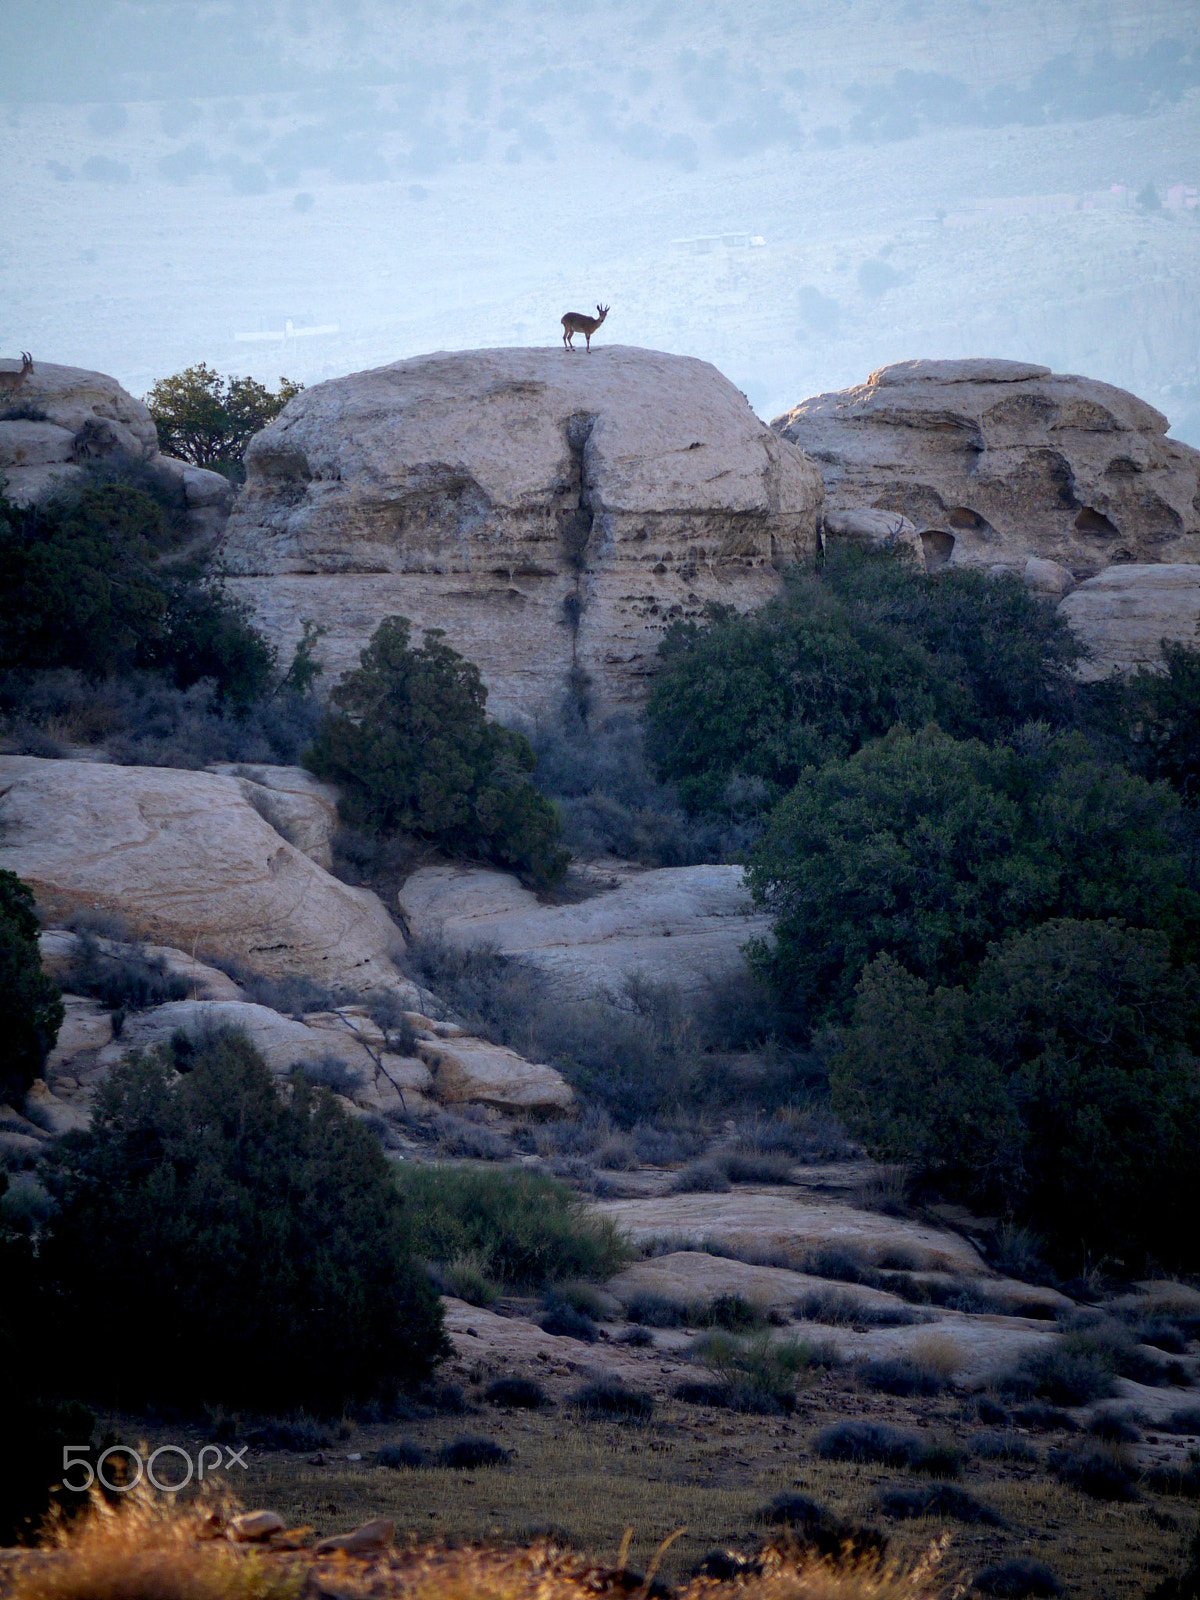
673,925
90,418
1047,577
790,1221
489,1074
996,461
1124,612
298,806
46,1110
283,1042
86,1030
693,1277
190,863
550,511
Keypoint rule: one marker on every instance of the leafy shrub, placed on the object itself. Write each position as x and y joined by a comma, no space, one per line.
638,1338
209,420
122,979
567,1320
657,1311
408,742
813,1526
270,1226
466,1454
609,1397
89,588
1153,716
732,1312
526,1229
764,1364
927,849
1099,1473
755,1166
899,1375
465,1276
31,1009
525,1394
894,1447
404,1454
1064,1374
838,1309
297,1433
937,1500
842,656
700,1177
1018,1578
1062,1086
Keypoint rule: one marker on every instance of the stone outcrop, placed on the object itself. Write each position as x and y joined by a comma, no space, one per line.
1123,613
553,512
188,862
683,926
56,420
470,1070
997,461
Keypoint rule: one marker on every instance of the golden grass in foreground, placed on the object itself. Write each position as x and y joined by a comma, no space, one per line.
148,1548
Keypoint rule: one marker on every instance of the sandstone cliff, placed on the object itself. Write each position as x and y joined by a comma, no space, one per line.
550,510
998,461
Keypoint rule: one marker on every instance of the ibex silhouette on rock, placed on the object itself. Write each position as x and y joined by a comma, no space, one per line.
14,380
575,322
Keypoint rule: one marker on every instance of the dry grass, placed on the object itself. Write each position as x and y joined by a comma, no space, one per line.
937,1352
145,1547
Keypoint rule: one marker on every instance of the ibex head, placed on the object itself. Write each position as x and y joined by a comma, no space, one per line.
26,362
602,312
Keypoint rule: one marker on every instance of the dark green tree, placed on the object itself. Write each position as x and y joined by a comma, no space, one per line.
1061,1087
929,848
223,1241
1153,718
838,659
209,420
412,749
91,584
31,1009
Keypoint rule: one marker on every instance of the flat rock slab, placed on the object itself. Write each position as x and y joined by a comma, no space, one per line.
997,461
190,863
549,510
473,1070
682,926
693,1277
760,1220
1123,613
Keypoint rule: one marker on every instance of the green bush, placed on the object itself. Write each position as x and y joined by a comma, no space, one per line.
928,848
1062,1086
523,1229
842,656
89,584
409,744
31,1009
209,420
222,1242
1153,718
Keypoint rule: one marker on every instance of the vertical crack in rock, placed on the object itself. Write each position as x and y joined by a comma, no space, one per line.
576,520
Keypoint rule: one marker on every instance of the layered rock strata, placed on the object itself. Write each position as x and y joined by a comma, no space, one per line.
997,461
552,511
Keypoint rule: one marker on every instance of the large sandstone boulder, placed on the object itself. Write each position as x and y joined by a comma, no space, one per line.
55,420
683,926
188,862
551,511
1123,613
997,461
471,1070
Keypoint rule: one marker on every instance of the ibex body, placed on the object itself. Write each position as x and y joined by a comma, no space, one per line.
575,322
14,380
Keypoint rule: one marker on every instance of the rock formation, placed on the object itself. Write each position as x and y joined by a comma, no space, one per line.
552,512
682,926
998,461
57,420
190,863
1123,613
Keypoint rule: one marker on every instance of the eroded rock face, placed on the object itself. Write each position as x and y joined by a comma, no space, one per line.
190,863
1122,614
549,510
56,420
683,926
997,461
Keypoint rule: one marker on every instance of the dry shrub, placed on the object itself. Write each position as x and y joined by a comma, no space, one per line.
147,1548
937,1352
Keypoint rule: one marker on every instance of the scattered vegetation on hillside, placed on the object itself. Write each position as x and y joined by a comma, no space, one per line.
31,1009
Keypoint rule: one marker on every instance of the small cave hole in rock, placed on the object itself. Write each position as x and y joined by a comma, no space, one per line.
964,517
938,545
1091,521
